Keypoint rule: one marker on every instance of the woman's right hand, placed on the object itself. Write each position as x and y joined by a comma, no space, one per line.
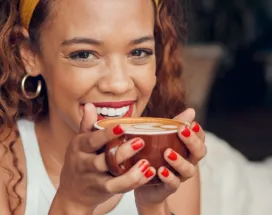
84,181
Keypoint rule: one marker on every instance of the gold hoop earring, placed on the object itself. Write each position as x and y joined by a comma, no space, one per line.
30,95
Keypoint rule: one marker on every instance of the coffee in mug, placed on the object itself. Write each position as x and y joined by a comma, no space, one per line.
158,135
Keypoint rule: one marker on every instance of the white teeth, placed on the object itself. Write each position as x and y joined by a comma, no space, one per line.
98,110
124,110
112,112
104,111
119,112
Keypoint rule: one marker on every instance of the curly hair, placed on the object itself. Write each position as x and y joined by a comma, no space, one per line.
167,98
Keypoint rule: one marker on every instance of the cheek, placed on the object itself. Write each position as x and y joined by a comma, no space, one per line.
145,87
146,82
148,85
67,85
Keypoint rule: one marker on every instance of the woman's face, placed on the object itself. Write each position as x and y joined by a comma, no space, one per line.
100,52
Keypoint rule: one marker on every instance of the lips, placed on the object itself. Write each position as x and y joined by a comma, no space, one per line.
113,109
113,104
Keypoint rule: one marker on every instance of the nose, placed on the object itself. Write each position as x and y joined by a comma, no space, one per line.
116,80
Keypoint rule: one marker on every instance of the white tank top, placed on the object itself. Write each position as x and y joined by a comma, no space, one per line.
40,190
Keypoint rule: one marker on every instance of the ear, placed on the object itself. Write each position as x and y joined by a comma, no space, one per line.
28,55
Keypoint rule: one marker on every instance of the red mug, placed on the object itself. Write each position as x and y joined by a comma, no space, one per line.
158,135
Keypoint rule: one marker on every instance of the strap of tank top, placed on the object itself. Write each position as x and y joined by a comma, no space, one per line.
36,171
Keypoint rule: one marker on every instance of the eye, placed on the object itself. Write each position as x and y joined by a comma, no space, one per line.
141,53
83,55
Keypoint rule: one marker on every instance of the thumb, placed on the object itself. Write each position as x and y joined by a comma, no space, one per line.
89,118
186,116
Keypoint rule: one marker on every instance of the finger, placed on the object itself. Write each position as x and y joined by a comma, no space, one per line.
130,148
198,131
194,144
148,175
170,180
93,141
89,118
137,176
186,116
125,151
180,164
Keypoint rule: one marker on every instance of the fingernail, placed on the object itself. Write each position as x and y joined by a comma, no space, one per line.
165,172
186,132
137,144
196,128
117,130
149,173
173,156
144,166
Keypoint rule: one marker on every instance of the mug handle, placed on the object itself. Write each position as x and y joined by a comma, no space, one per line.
110,155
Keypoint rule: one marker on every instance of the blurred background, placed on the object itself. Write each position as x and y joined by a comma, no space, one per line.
228,71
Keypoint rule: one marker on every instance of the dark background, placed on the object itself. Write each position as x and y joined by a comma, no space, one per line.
239,105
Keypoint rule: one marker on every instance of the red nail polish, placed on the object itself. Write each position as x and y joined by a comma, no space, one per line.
186,132
196,128
137,144
144,166
165,172
173,156
117,130
149,173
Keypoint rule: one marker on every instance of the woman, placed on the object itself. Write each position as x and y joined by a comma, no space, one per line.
60,62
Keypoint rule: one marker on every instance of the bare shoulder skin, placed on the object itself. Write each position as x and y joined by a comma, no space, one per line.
7,169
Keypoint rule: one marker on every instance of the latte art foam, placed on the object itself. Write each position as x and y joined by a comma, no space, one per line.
147,127
142,125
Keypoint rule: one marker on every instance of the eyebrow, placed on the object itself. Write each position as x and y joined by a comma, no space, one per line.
142,40
90,41
81,40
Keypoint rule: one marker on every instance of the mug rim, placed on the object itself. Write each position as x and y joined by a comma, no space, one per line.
149,119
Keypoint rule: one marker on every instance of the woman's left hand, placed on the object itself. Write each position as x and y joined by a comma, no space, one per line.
194,139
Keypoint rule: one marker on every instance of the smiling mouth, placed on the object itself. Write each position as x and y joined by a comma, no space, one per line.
113,109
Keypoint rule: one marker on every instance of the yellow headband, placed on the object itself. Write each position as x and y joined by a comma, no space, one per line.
27,8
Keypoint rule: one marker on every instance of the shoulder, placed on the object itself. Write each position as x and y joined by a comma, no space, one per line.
222,162
11,150
221,149
12,167
220,156
9,139
229,181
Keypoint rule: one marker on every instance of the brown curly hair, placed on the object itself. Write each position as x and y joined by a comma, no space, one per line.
167,98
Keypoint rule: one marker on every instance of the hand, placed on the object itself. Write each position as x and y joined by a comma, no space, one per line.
84,181
194,138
